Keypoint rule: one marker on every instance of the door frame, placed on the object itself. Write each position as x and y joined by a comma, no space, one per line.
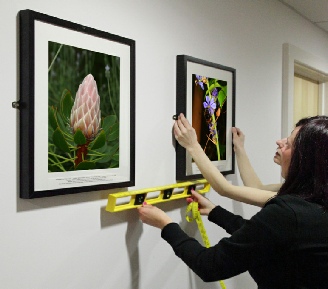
306,64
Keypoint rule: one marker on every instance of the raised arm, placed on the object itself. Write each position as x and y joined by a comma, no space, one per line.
247,173
186,136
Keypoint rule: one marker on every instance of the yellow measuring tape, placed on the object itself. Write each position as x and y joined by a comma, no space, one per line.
195,215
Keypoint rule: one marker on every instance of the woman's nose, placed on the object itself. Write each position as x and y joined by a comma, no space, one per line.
281,142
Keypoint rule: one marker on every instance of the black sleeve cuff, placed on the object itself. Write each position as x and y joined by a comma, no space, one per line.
173,234
225,219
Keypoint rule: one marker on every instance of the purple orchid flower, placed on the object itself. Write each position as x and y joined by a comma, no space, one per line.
200,81
209,104
214,92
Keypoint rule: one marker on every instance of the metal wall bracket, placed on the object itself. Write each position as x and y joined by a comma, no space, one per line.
16,104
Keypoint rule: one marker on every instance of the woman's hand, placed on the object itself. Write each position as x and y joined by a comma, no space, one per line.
184,133
153,216
238,139
205,205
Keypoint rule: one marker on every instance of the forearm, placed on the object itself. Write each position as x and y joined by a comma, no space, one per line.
249,176
226,220
218,182
208,263
208,170
271,187
247,173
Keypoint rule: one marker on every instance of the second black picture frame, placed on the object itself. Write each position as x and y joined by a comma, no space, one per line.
205,94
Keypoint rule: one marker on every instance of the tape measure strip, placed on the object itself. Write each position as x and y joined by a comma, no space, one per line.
195,215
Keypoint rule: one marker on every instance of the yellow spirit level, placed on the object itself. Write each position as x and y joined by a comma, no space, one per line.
133,199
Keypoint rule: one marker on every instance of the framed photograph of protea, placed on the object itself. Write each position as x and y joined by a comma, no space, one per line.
206,96
77,107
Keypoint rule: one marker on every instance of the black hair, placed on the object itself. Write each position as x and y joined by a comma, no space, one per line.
305,120
307,175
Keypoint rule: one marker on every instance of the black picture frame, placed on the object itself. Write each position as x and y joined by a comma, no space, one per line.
196,78
114,166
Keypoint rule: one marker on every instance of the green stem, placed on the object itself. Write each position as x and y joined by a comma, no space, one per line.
59,166
52,62
57,163
214,125
216,138
81,153
65,160
110,98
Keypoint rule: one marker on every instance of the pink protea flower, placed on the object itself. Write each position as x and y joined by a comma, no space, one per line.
85,113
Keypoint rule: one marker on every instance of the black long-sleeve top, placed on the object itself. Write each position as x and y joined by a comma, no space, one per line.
285,245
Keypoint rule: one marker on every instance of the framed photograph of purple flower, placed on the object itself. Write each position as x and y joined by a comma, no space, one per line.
206,95
77,108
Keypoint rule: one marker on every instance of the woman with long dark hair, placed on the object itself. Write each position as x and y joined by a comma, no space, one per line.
285,245
308,173
246,171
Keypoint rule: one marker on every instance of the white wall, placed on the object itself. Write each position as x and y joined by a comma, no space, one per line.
70,241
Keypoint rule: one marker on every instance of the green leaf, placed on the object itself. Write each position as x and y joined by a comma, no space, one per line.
113,136
113,149
52,117
116,157
108,152
213,86
114,132
59,141
222,96
114,164
66,104
108,122
85,165
50,133
216,84
79,137
102,149
54,168
104,159
99,141
63,124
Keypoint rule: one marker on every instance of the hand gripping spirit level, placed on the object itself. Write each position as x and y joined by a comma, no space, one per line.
133,199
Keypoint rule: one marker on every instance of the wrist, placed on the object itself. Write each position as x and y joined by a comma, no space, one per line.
193,148
210,209
212,212
165,222
239,150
